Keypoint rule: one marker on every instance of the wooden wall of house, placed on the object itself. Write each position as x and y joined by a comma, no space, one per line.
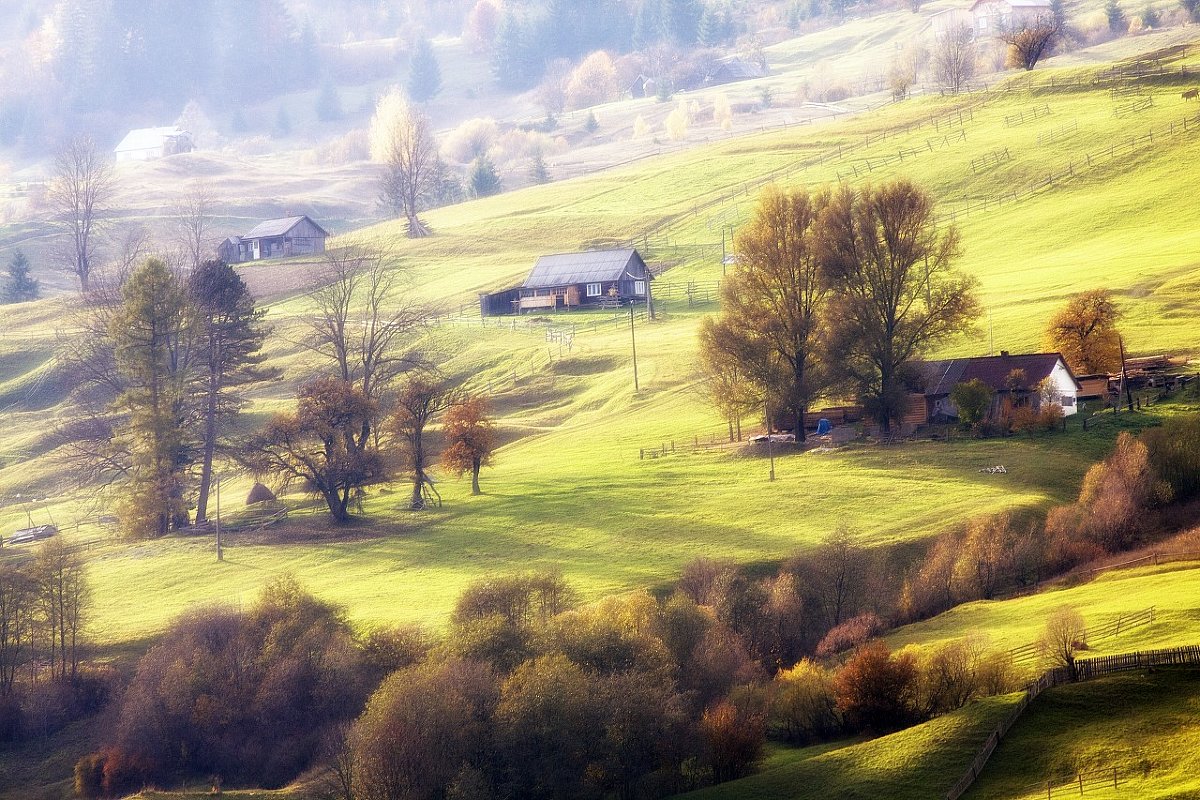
916,410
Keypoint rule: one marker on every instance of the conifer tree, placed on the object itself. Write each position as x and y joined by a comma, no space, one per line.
329,102
19,286
537,170
153,335
425,75
484,180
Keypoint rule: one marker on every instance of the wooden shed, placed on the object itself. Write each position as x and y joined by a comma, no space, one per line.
588,278
279,238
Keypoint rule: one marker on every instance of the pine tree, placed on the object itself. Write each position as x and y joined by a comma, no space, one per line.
484,180
153,335
647,24
1116,16
537,170
283,123
425,76
1149,16
329,102
711,32
681,19
1058,10
512,62
19,287
231,334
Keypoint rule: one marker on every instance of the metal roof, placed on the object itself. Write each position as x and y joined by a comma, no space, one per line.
278,227
591,266
941,376
148,138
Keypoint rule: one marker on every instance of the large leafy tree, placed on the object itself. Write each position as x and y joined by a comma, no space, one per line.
470,438
1085,332
231,334
773,305
154,336
315,444
897,293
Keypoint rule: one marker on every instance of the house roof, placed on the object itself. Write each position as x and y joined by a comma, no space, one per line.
739,69
941,376
278,227
148,138
1016,3
589,266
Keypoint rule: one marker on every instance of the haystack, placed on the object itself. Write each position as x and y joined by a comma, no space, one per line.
259,494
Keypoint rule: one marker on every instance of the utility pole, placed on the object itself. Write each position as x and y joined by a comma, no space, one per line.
220,554
770,441
633,343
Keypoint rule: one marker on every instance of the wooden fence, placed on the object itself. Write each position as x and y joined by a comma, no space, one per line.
1086,668
1123,622
1027,115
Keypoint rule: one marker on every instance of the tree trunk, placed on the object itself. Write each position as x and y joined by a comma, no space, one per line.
800,434
337,506
475,476
418,502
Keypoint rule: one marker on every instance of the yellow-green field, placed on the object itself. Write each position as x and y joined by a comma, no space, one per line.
569,490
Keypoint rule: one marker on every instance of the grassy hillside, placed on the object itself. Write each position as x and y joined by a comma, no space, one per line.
920,762
1141,725
569,491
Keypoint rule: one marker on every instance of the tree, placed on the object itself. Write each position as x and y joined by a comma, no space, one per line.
316,444
484,180
1085,332
470,438
1028,43
1149,16
681,20
194,220
773,305
1058,10
425,76
361,324
514,61
1115,16
538,173
954,57
424,395
231,335
729,385
402,140
897,292
283,123
1064,634
63,595
877,690
973,399
329,101
19,286
1192,7
154,337
18,597
840,568
80,190
593,82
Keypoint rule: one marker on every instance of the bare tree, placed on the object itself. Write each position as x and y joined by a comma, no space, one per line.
402,140
64,594
362,322
424,395
1064,634
954,57
194,222
79,193
1028,42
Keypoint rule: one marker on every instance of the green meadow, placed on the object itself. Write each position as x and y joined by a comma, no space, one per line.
569,490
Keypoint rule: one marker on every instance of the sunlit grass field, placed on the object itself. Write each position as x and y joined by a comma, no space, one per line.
569,490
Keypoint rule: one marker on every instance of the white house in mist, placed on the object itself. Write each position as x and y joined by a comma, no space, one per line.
145,144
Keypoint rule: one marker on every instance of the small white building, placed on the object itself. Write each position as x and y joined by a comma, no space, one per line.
993,17
145,144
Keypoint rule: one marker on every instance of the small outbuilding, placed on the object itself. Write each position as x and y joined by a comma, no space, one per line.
275,238
733,70
589,278
145,144
994,17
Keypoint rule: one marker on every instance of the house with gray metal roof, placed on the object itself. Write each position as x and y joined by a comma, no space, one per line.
587,278
276,238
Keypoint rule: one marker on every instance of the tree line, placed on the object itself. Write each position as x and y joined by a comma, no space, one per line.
834,292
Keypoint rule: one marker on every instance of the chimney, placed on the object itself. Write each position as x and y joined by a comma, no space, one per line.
1004,354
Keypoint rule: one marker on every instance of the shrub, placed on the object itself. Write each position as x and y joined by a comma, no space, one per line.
471,139
804,706
850,634
1024,419
698,578
973,399
733,738
1174,453
876,690
1115,492
1050,418
89,776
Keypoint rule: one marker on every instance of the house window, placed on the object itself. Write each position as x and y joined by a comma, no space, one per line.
593,290
639,287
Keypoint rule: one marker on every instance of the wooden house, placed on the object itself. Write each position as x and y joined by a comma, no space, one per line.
733,70
145,144
1093,387
275,238
1033,379
588,278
